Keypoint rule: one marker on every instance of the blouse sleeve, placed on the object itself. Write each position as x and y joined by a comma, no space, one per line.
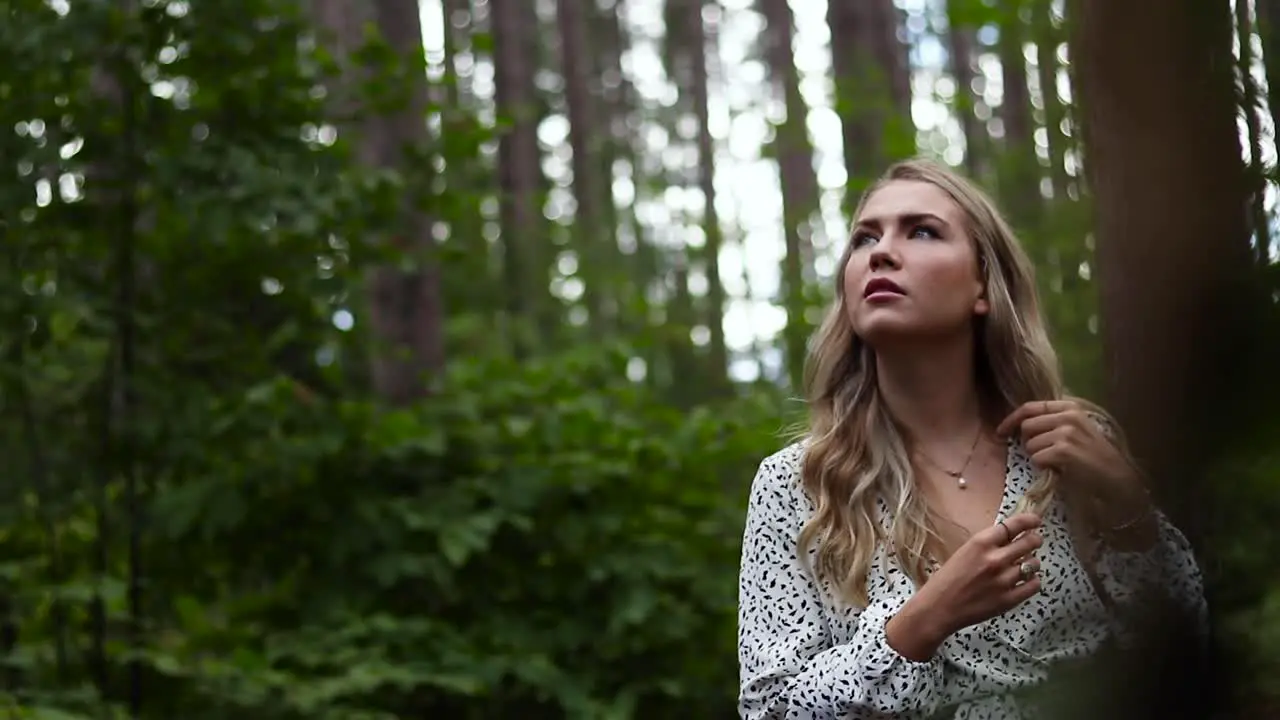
789,668
1169,567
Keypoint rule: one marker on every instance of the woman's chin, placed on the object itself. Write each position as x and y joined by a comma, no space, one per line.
887,332
880,330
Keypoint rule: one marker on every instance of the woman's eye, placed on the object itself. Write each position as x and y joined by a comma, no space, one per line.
862,239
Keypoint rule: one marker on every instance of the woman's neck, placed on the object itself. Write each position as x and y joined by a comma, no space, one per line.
932,393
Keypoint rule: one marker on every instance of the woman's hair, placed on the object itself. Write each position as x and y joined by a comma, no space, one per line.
855,452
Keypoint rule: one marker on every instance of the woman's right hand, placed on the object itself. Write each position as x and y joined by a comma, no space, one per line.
981,580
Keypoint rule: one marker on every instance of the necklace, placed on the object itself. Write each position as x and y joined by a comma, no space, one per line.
957,474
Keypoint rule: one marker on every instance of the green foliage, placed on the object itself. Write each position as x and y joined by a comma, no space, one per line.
1244,545
207,515
518,543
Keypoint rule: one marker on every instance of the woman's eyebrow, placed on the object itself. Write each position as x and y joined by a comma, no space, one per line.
911,218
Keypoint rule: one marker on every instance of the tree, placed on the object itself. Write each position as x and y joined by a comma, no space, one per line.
1159,114
520,179
404,301
794,153
1172,231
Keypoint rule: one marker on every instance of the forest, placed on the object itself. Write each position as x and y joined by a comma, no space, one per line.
381,359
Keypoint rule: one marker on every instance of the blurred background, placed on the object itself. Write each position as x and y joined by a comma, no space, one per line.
393,359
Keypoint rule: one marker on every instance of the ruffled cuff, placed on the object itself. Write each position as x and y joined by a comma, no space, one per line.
882,666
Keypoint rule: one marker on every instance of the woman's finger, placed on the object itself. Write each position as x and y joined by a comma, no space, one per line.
1003,532
1021,571
1028,543
1043,441
1018,594
1029,410
1045,424
1054,456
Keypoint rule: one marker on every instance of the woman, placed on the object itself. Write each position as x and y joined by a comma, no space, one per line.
941,446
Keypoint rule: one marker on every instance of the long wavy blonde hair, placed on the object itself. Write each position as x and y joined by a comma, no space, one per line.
855,453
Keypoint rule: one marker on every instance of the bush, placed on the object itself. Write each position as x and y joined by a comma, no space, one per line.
518,547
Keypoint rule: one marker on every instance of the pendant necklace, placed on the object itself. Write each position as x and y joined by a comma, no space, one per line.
957,474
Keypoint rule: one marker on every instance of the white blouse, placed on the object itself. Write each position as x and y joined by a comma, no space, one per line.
804,654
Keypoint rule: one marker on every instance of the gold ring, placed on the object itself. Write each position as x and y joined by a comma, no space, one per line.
1026,570
1046,407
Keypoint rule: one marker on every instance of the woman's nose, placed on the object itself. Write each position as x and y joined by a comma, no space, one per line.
884,256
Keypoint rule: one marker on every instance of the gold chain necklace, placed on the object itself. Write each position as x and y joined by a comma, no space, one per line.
957,474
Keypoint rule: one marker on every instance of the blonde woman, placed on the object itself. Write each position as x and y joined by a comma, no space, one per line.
952,525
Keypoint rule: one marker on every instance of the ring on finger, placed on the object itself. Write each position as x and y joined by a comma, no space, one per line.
1027,570
1008,534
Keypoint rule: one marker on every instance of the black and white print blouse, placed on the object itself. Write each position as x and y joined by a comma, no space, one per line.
805,655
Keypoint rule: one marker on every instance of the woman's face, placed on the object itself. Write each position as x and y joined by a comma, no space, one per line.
913,269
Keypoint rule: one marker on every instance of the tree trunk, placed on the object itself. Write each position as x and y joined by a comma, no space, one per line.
873,88
858,134
714,311
405,309
799,183
472,279
589,226
1020,171
407,314
894,57
1173,238
960,42
520,175
1178,296
636,277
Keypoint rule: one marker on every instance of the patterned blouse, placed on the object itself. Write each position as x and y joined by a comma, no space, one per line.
804,654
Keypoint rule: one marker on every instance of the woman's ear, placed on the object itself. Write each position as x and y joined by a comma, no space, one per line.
981,306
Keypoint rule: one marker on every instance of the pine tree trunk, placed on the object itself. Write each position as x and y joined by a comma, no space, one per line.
799,183
1172,229
524,244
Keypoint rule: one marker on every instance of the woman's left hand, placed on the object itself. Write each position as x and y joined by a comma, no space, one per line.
1060,434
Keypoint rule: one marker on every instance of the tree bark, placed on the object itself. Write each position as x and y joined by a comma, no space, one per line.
714,311
1158,112
405,307
872,88
799,182
592,233
407,314
1172,230
1177,292
1020,171
520,174
960,42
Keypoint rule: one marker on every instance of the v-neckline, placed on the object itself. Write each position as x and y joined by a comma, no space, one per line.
1008,492
1005,507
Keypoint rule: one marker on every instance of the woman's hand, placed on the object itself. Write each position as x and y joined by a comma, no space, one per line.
1060,434
984,578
